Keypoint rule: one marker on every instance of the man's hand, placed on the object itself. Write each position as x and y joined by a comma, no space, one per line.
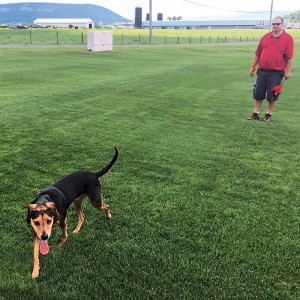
252,70
287,74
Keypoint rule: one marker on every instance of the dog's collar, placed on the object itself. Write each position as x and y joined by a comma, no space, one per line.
43,199
57,190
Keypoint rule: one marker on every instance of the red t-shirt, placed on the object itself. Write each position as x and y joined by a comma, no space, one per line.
274,51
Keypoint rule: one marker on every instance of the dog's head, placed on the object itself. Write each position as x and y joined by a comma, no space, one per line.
42,215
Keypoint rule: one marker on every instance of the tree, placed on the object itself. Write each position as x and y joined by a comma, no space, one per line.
294,17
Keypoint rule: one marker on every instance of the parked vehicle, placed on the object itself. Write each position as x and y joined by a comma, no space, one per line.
18,26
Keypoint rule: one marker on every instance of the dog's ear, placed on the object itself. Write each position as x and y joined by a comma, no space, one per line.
51,205
30,208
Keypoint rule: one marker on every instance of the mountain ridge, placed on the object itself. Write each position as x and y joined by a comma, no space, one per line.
27,12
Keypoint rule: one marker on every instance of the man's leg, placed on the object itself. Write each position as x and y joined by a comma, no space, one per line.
271,106
257,105
256,110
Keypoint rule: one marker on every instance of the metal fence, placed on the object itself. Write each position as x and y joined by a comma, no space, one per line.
66,37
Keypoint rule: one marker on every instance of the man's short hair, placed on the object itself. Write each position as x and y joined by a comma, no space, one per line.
279,17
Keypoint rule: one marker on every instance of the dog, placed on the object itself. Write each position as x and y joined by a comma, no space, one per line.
50,208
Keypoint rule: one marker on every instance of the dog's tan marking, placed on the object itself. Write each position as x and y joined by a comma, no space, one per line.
78,208
43,223
106,209
64,233
36,261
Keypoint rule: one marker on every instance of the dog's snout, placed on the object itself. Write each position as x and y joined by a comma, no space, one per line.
44,236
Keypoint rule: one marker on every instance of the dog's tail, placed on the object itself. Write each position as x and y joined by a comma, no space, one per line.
109,166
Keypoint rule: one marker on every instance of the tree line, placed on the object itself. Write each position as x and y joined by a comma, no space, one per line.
294,17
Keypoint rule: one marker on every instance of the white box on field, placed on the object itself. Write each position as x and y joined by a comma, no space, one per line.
100,41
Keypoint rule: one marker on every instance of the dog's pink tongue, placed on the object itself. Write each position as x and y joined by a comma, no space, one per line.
44,248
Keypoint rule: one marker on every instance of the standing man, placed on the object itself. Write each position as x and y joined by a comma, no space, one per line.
274,56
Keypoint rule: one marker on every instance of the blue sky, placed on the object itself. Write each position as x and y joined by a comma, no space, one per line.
193,9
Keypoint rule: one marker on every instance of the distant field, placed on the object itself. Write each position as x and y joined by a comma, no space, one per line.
132,36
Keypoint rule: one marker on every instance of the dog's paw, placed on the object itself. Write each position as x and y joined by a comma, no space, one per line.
62,241
35,274
106,208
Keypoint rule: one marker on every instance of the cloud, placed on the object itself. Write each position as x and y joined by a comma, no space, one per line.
25,8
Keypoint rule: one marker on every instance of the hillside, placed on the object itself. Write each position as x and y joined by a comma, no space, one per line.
29,11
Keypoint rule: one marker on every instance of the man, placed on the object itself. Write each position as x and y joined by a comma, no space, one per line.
274,56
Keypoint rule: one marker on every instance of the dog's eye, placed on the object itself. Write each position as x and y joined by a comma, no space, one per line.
37,223
49,221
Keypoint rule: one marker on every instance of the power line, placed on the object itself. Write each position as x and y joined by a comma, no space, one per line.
224,9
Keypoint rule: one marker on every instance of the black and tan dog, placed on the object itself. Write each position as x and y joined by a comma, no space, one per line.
50,208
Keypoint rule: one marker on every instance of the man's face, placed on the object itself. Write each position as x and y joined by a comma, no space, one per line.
277,25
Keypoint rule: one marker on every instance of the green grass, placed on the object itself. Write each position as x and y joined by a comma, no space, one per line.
205,204
134,36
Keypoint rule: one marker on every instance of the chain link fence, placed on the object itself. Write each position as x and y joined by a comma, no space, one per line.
68,37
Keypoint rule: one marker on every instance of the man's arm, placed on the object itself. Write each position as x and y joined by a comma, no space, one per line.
287,71
253,68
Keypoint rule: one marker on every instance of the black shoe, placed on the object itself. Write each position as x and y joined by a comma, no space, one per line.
254,116
267,117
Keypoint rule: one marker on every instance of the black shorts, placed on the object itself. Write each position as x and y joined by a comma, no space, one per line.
266,80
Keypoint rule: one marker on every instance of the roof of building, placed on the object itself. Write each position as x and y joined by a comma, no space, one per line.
63,21
180,23
204,23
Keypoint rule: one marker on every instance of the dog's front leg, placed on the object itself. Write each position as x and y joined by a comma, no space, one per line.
78,208
64,233
36,262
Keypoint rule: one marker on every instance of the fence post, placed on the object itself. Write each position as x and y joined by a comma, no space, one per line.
82,38
139,39
56,37
122,39
30,37
178,40
165,39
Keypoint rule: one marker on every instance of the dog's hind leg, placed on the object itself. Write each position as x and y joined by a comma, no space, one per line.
97,201
78,208
106,208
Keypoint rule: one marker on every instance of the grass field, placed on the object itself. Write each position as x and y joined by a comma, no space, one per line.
134,36
205,204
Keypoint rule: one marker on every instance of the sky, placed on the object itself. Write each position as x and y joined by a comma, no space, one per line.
188,9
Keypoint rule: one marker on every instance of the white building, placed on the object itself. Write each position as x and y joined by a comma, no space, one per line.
210,24
65,23
294,25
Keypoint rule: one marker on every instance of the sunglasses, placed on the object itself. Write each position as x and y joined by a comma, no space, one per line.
276,24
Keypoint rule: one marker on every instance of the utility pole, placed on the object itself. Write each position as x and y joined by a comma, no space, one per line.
150,21
271,12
